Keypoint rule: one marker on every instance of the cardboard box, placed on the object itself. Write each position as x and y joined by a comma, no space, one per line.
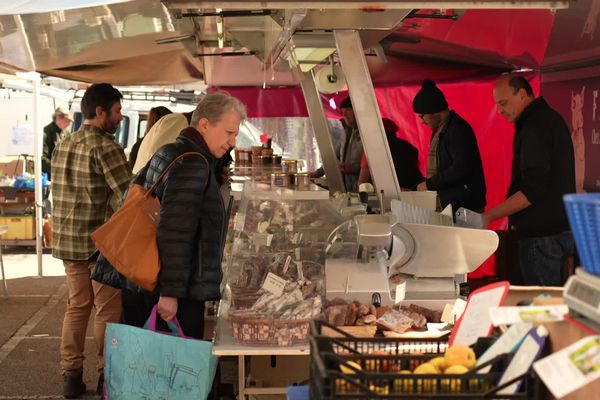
517,294
278,371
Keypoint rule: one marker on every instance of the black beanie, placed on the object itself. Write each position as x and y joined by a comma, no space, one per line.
430,99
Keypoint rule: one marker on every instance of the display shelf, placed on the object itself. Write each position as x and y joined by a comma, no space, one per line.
313,192
224,345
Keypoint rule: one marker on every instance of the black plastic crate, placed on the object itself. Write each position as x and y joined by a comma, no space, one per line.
381,360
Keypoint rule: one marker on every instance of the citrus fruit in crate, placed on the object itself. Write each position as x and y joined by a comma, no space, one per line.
460,354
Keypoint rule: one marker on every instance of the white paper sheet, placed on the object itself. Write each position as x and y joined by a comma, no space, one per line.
505,344
476,318
572,367
513,315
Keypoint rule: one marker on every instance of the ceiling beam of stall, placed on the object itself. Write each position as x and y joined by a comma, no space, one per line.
368,5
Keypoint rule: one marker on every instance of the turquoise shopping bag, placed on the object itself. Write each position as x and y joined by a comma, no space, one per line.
141,363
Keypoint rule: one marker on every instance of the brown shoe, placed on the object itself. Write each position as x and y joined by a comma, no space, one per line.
73,386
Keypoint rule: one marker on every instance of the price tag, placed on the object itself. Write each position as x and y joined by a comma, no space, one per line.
274,284
238,224
262,226
400,292
300,273
287,264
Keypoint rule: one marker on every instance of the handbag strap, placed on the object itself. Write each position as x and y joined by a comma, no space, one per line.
164,171
173,325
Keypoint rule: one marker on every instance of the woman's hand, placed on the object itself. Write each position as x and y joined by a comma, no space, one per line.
167,307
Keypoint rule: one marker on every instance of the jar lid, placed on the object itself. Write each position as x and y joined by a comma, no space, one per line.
289,161
301,174
280,174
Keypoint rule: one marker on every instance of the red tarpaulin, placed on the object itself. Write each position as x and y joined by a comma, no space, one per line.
269,102
483,37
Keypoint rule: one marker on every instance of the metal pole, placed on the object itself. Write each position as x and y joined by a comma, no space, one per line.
38,146
322,134
366,110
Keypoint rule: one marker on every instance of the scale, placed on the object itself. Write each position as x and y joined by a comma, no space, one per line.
430,260
582,294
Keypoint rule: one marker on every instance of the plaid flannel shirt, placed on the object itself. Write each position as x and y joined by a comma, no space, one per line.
88,168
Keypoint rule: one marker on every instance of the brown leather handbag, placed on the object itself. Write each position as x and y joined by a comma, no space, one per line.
128,239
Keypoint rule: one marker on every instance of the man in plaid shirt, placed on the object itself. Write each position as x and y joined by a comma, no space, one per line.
88,169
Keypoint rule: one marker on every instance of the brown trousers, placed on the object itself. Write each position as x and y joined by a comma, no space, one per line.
83,294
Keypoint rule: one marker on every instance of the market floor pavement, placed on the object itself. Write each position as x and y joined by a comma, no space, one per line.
30,330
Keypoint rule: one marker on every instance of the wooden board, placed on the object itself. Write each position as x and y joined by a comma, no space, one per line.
356,331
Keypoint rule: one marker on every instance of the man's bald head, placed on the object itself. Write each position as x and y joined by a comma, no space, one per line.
512,94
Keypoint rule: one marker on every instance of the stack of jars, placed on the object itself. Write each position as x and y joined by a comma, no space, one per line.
264,166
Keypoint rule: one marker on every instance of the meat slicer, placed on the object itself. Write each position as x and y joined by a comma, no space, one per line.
402,261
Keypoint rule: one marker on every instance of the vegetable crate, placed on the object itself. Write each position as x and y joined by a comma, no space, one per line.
347,367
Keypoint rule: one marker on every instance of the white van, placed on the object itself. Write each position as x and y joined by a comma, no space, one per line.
135,118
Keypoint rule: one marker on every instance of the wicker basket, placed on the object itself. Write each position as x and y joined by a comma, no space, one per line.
243,297
261,330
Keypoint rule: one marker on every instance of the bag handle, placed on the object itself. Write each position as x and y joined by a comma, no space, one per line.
173,325
164,171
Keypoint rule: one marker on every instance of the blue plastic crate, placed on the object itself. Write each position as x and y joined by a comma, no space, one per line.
583,211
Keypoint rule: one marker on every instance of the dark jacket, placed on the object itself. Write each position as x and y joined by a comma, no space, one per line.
543,169
192,226
52,133
459,179
406,161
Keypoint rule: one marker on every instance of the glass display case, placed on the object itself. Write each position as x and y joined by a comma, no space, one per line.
275,271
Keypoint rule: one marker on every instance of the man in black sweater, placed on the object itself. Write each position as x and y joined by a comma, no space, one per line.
53,133
543,170
454,166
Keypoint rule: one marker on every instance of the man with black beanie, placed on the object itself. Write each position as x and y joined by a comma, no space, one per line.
454,167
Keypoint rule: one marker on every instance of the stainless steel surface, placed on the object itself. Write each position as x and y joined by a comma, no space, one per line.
374,231
413,214
366,5
364,104
353,280
128,42
423,262
443,251
115,43
468,219
348,18
322,134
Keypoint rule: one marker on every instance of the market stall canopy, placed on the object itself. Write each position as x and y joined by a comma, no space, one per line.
541,40
35,6
253,43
